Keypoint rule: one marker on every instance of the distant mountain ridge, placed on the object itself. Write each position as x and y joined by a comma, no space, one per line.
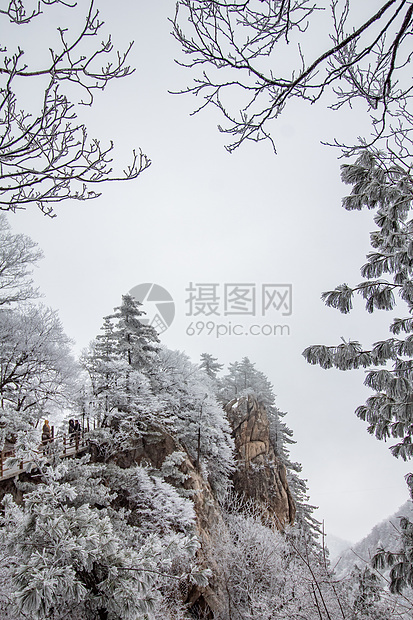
384,534
336,546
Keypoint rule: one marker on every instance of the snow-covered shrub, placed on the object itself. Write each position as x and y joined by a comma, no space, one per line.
68,548
154,505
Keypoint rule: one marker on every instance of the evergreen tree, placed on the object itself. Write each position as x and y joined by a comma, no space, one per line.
400,562
99,361
243,378
197,417
304,517
210,365
366,596
388,189
385,187
120,363
97,540
105,344
135,341
141,389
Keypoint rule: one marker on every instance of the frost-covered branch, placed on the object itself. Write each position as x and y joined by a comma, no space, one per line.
47,156
251,59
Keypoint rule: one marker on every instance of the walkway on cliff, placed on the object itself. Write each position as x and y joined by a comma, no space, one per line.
70,446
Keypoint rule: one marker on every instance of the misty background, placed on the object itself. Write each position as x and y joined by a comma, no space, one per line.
201,215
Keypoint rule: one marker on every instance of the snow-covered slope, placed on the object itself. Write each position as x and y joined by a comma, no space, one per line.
384,534
336,547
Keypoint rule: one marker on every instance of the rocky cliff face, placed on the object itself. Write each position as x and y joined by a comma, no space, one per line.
202,602
260,475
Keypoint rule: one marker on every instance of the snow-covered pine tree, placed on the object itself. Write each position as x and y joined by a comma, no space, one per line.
96,539
120,363
142,389
367,596
100,362
383,183
198,419
387,188
135,341
398,560
243,378
210,365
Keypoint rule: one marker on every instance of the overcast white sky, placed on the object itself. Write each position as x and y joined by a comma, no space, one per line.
201,215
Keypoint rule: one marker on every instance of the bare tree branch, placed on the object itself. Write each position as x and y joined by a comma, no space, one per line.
48,157
243,50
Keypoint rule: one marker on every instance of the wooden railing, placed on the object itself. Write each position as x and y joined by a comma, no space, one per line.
71,445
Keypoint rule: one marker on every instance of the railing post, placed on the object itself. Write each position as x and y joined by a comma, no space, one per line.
1,465
64,444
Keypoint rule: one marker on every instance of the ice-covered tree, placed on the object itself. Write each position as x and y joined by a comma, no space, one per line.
140,389
210,365
243,378
251,59
37,371
268,575
385,187
368,595
18,255
135,341
120,363
99,361
198,419
399,560
388,190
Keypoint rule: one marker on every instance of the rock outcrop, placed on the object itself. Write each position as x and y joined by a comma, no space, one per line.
260,474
